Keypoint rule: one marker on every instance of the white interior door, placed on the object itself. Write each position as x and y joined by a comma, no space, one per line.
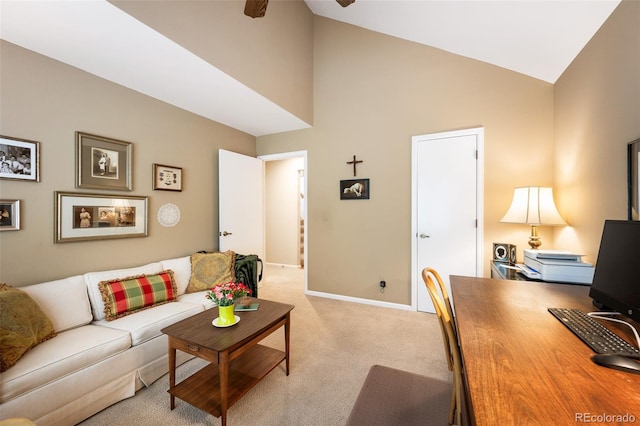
447,208
241,203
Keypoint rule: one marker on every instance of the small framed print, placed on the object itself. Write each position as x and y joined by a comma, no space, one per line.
167,178
82,217
354,189
19,159
505,253
500,252
513,258
9,215
103,163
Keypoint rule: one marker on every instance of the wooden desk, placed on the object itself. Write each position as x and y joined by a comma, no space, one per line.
523,366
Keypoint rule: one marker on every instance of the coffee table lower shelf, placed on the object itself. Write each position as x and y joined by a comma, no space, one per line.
202,389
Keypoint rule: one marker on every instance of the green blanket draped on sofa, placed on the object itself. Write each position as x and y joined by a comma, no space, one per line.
246,267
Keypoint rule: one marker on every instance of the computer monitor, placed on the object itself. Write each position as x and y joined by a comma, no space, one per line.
616,280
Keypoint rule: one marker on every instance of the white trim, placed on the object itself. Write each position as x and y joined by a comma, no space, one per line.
282,265
295,154
284,155
359,300
479,133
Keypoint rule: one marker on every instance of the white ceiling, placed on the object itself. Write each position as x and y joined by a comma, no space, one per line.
538,38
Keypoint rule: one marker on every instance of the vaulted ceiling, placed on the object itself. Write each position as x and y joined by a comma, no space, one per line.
538,38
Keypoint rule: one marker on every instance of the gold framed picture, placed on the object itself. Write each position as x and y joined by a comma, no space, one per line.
103,163
83,217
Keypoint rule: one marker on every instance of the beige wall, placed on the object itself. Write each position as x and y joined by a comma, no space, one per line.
282,224
597,112
372,93
46,101
271,55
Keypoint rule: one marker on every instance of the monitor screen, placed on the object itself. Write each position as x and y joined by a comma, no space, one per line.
616,280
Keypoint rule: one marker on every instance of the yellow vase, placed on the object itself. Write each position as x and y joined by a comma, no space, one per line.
226,316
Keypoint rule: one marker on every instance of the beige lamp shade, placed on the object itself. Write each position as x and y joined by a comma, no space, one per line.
533,205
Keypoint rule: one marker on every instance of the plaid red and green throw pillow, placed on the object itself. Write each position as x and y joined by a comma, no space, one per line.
124,296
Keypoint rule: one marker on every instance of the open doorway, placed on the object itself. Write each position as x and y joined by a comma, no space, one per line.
285,209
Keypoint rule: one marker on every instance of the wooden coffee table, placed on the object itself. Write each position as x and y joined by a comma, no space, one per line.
237,361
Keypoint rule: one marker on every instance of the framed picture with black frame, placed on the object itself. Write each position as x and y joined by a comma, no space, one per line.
167,178
354,189
633,155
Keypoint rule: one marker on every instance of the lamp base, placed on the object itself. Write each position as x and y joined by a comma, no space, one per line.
534,243
534,240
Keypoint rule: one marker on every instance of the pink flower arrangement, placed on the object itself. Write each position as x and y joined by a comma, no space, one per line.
226,294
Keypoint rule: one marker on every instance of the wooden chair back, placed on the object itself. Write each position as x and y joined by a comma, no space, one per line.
444,311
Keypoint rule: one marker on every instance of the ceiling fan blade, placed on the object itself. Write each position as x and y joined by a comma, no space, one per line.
345,3
255,8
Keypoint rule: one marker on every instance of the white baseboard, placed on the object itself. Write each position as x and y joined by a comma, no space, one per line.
359,300
282,265
346,298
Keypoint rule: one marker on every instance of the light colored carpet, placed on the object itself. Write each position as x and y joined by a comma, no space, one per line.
333,346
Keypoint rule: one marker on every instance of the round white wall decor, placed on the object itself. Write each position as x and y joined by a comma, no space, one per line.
168,215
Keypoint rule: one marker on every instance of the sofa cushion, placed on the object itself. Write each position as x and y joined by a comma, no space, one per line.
211,269
198,298
124,296
93,279
23,325
74,312
71,351
181,268
146,324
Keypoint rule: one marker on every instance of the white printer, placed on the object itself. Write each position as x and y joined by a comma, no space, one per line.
557,266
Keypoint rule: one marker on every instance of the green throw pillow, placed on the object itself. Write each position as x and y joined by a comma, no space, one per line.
23,325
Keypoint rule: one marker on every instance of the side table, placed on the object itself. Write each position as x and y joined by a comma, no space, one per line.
236,361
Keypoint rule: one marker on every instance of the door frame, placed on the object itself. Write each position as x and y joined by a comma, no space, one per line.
285,156
416,278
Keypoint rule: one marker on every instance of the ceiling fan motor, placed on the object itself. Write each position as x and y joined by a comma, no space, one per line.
257,8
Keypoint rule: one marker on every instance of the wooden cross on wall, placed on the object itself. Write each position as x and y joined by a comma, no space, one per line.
355,163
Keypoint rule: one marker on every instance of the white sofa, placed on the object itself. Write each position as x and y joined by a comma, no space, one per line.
93,363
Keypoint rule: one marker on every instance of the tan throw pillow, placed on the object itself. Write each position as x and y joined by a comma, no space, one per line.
23,325
211,269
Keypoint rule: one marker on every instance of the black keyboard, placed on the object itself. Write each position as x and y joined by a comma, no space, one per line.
599,338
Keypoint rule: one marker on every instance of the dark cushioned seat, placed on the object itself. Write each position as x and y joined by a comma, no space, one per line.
394,397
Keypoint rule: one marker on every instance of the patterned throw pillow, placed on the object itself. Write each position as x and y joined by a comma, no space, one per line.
127,295
23,325
211,269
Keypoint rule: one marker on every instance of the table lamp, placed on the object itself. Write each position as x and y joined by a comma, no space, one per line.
534,206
